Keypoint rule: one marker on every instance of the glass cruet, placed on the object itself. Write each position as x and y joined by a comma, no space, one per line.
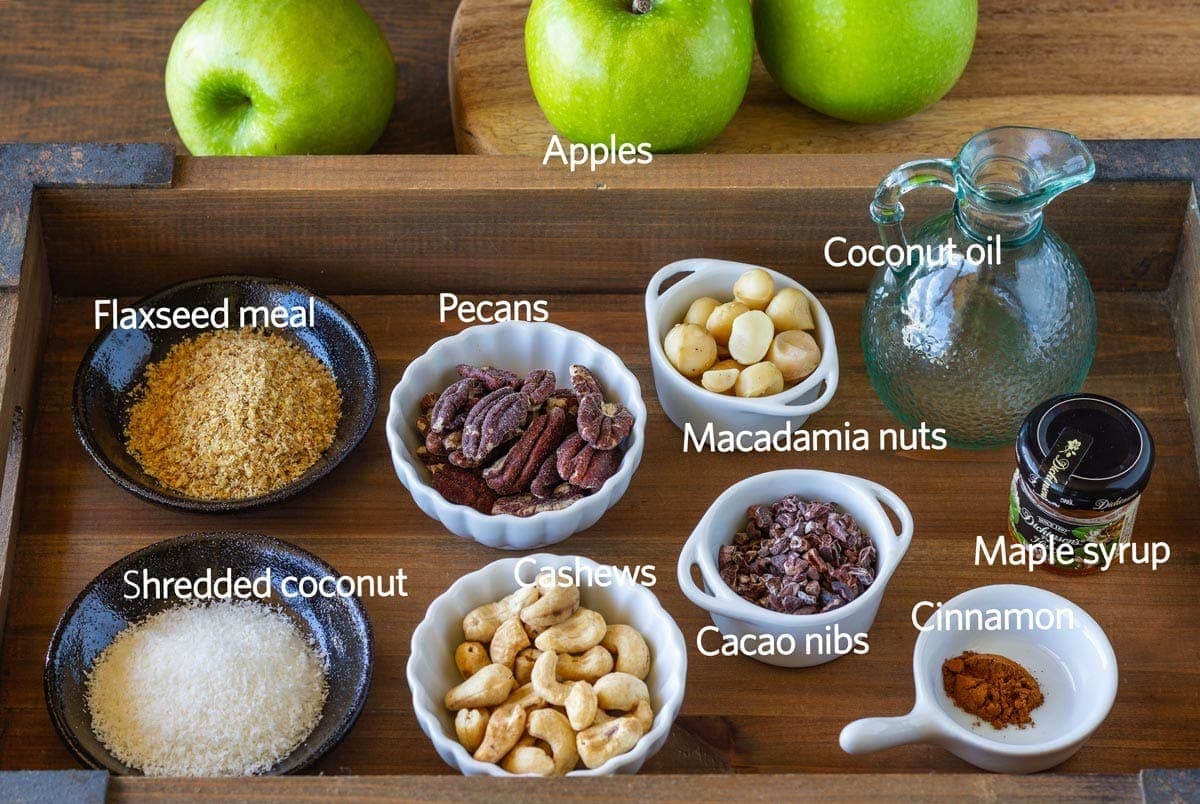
955,340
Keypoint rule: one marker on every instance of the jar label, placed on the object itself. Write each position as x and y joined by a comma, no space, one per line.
1063,459
1032,523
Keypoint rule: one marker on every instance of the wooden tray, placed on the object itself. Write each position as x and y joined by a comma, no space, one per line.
384,235
1097,68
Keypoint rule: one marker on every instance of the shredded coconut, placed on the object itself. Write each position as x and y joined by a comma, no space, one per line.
226,689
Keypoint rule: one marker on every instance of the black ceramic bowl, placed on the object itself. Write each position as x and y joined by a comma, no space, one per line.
339,626
116,361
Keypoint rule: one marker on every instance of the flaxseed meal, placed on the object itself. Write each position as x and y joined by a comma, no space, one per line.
232,414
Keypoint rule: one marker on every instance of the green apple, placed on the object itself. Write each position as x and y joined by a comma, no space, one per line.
866,60
270,77
670,73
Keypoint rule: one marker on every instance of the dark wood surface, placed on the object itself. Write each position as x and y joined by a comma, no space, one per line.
738,715
434,221
1100,68
92,70
825,788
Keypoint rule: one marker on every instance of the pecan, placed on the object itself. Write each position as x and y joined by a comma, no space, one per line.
584,382
603,424
515,471
442,444
428,401
450,411
566,399
528,505
492,378
428,458
496,419
435,443
423,424
546,480
584,466
538,386
464,488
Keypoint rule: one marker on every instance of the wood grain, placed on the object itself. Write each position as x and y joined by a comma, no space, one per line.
830,787
1099,68
738,715
1185,310
92,70
490,224
24,317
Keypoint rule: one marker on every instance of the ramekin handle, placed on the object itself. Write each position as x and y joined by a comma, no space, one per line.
683,574
654,290
873,734
889,500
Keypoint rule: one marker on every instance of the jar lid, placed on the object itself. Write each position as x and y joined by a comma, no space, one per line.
1085,451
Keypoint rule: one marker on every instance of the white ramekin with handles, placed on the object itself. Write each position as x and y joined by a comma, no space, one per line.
686,402
519,347
432,672
1075,668
733,615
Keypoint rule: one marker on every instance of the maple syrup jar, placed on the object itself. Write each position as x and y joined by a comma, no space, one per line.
1082,463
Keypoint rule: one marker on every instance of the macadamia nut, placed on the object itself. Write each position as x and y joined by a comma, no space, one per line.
795,354
754,289
720,321
720,378
751,337
700,310
790,310
761,379
690,349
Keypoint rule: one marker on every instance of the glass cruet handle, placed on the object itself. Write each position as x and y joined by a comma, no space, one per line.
886,209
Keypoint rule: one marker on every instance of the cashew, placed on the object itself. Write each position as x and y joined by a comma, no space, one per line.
598,744
545,680
584,629
556,604
602,717
470,726
531,632
471,657
554,728
589,666
621,692
577,697
488,687
509,640
480,624
525,696
645,715
528,760
523,664
629,647
504,728
581,705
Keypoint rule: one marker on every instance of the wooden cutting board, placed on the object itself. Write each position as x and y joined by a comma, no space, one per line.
1103,69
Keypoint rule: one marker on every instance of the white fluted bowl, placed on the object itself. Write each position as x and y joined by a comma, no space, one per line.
519,347
432,672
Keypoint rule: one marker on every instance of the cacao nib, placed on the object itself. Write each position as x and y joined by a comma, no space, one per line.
798,556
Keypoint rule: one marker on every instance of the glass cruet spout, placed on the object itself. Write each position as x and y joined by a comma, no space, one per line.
969,338
1007,176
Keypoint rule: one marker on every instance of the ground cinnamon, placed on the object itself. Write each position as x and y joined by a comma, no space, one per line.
993,688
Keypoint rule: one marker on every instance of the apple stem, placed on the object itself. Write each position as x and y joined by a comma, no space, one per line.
641,6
